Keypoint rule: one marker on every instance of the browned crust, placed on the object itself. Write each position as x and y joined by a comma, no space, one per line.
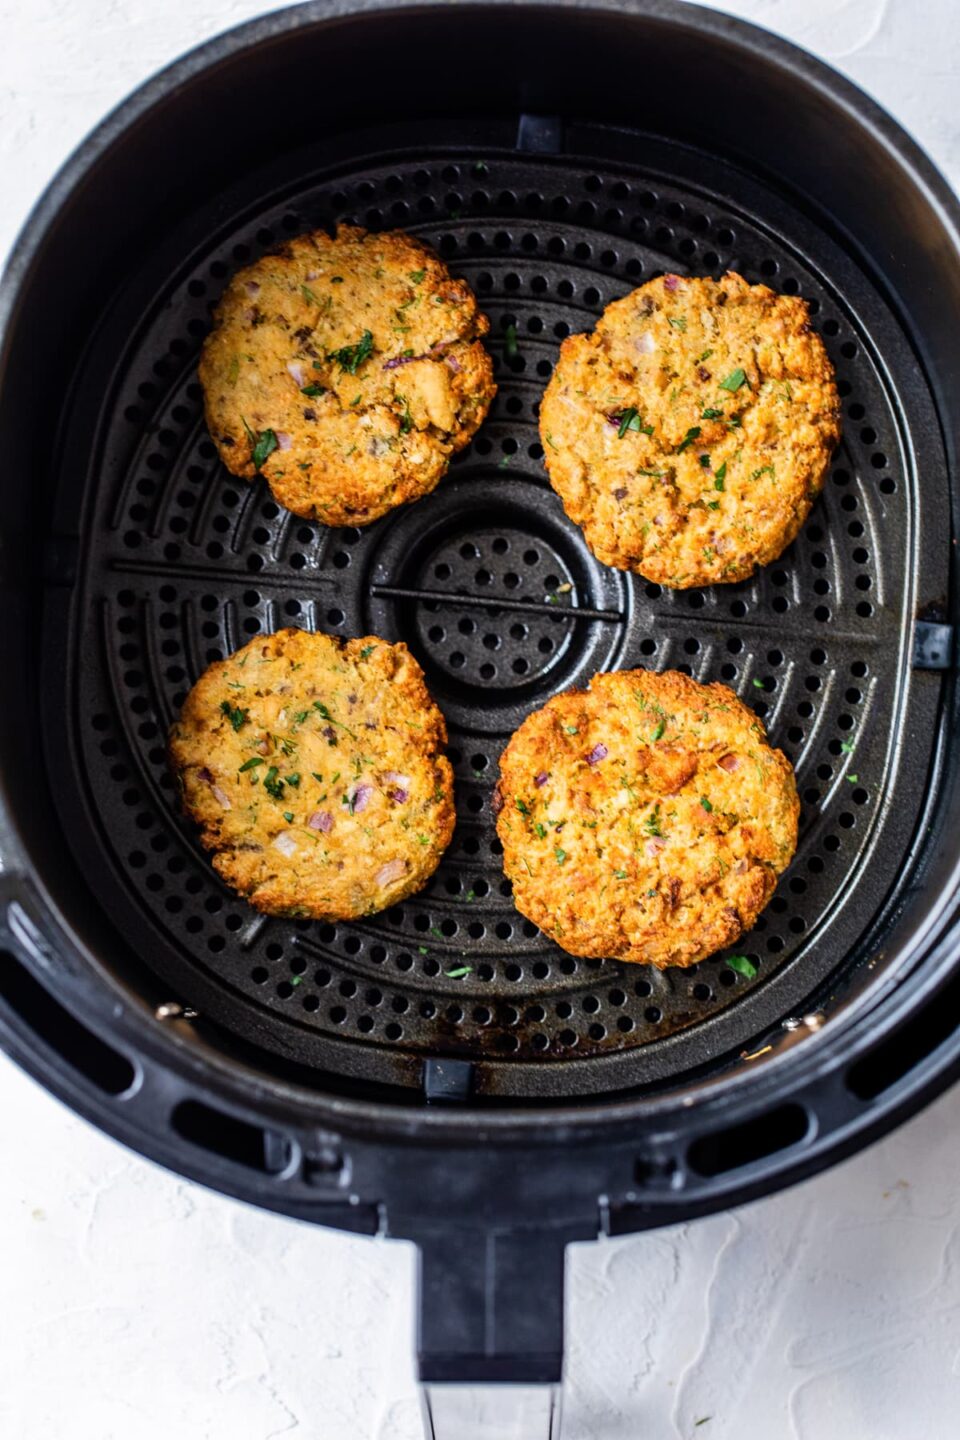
378,429
313,720
645,819
725,477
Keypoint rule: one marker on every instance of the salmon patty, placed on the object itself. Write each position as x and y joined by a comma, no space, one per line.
645,819
346,371
690,432
315,770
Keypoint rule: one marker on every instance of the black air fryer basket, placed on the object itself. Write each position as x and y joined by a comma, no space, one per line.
556,155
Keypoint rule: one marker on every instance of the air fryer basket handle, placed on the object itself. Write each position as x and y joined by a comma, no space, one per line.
490,1336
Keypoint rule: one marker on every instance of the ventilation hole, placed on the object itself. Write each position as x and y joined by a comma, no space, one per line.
84,1051
220,1133
739,1145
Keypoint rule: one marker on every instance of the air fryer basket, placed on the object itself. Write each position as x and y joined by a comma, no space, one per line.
339,1072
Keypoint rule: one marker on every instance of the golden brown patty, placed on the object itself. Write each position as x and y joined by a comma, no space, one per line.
690,432
314,768
347,371
646,819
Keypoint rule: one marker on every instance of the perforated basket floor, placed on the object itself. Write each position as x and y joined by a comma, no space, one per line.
497,595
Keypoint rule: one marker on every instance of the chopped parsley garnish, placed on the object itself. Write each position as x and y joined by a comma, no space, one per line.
522,806
367,651
758,684
351,357
288,816
764,470
318,778
711,414
657,732
510,341
652,822
265,445
541,830
560,855
679,322
846,746
571,730
272,783
705,356
706,804
620,874
854,779
713,504
705,461
459,973
319,706
692,434
300,716
238,718
416,276
308,294
313,390
734,380
742,965
294,779
480,167
251,764
720,476
657,474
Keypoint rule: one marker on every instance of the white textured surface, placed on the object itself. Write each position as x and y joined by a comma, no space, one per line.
135,1306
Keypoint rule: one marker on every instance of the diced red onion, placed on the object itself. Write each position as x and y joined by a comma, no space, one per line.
541,779
399,360
205,775
645,343
249,315
496,802
252,288
312,275
393,777
598,753
393,870
399,796
321,820
653,847
285,843
454,363
283,440
329,734
359,797
620,493
221,796
297,371
729,763
670,282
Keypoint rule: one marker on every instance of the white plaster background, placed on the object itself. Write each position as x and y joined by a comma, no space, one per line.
136,1307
